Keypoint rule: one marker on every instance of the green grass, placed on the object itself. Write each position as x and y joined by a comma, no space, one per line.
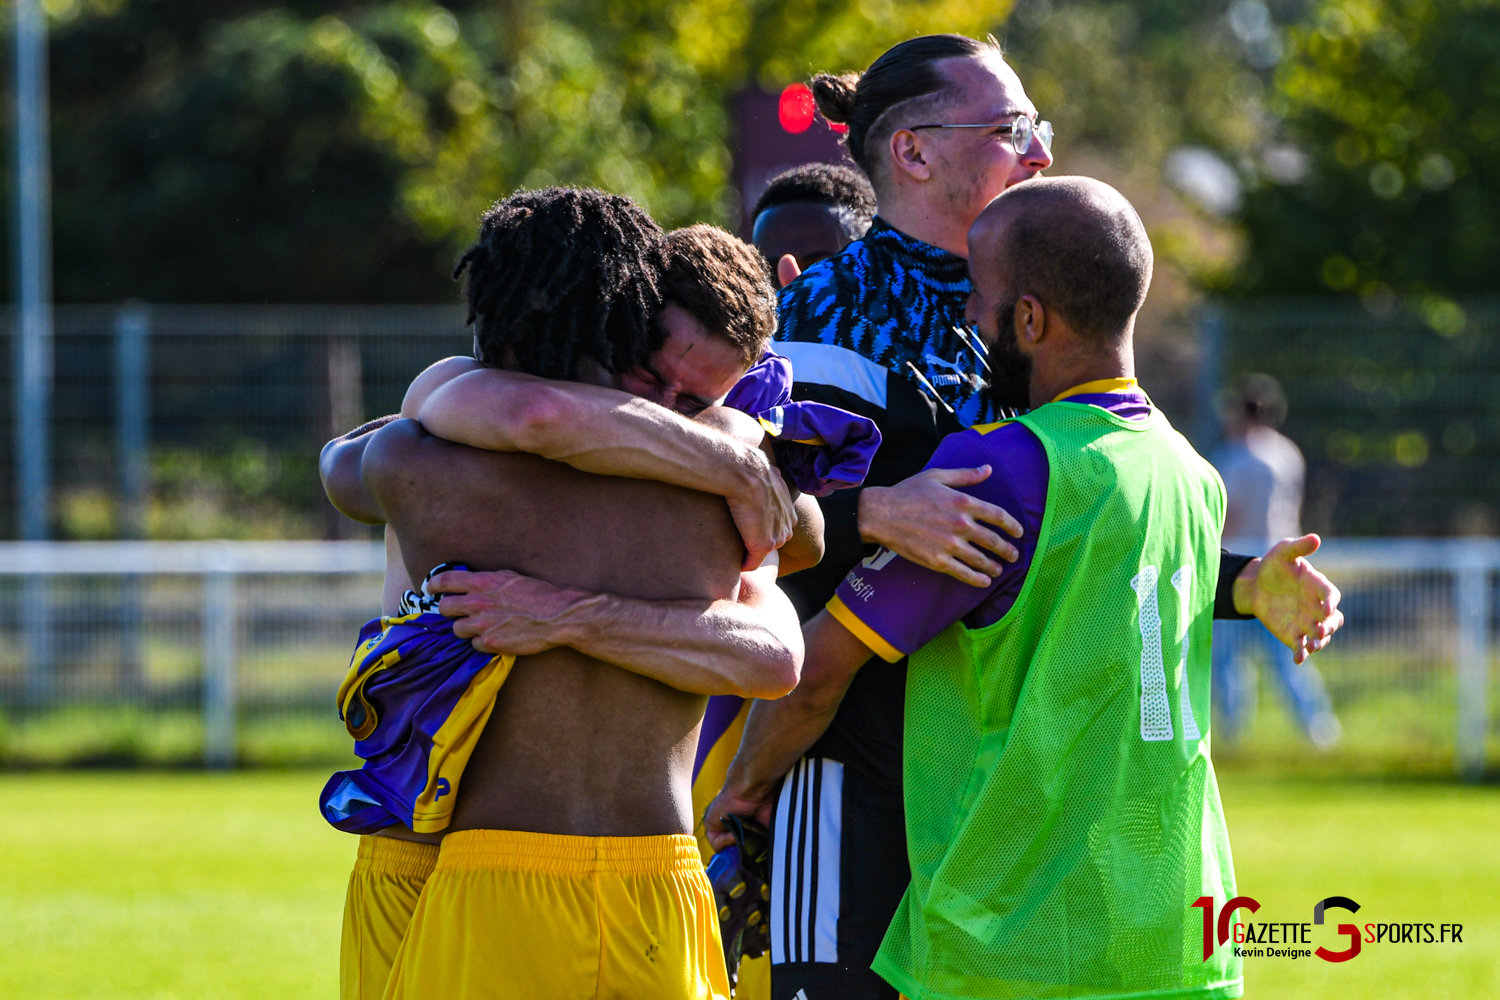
182,885
1406,852
158,886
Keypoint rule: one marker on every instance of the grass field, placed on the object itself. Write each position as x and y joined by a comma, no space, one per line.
182,885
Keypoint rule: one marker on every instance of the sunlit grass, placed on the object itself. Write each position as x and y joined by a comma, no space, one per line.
190,885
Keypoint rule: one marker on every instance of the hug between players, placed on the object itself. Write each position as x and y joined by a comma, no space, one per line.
845,641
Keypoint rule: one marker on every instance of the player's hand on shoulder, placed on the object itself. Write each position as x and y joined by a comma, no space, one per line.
1295,602
762,508
927,520
437,374
505,612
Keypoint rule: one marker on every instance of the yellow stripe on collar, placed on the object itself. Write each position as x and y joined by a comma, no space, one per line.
1102,385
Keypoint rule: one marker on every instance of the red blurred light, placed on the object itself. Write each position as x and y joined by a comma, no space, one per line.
838,127
796,108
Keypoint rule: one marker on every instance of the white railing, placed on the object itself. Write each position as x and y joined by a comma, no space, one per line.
1470,564
219,564
223,627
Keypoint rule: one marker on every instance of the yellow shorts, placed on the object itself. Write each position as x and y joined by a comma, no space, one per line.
383,888
522,916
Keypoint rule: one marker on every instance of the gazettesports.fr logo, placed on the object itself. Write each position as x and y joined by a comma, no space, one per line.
1259,939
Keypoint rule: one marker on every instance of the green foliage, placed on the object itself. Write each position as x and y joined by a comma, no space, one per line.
1397,104
282,151
1126,84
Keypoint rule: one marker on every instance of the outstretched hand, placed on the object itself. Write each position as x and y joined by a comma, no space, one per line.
927,520
504,612
1296,603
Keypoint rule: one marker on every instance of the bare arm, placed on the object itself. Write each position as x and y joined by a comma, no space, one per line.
433,378
339,466
750,647
605,431
778,733
805,549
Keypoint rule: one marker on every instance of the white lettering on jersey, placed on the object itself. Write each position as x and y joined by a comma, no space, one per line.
1182,582
1156,713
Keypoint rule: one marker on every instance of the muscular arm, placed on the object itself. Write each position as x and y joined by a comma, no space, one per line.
339,466
608,432
805,549
750,647
778,733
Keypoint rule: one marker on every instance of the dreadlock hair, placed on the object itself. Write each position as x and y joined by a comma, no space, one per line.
842,188
724,283
564,274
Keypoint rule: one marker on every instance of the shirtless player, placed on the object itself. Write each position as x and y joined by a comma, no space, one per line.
572,824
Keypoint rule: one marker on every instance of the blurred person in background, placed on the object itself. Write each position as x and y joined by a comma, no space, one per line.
940,125
1263,473
808,214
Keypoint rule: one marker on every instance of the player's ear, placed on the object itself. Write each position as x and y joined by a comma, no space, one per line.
907,155
1031,320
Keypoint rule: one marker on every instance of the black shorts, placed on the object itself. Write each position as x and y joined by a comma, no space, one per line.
838,863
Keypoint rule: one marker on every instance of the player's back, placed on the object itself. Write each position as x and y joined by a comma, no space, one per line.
574,746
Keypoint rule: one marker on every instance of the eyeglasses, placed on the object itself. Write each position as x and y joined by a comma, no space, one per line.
1021,132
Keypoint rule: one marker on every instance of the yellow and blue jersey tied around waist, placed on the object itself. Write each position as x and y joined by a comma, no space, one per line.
415,699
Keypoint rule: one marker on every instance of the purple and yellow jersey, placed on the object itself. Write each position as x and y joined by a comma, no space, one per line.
819,448
415,699
718,740
895,607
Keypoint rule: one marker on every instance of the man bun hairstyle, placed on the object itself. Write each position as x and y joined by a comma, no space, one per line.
564,274
722,281
1077,245
906,72
844,189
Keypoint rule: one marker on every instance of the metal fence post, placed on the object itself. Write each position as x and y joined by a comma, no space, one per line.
132,406
132,449
33,378
1472,605
1212,359
219,627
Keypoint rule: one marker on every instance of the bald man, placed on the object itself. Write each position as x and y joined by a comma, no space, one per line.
1062,814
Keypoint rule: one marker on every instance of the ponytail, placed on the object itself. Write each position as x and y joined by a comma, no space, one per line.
906,71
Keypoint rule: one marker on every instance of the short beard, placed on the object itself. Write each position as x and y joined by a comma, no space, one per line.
1010,370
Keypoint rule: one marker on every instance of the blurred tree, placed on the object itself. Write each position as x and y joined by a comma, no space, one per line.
1165,100
231,150
1395,108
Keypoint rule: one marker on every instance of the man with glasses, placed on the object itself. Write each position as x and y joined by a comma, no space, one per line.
941,125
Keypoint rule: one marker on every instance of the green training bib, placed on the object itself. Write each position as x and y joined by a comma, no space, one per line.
1062,814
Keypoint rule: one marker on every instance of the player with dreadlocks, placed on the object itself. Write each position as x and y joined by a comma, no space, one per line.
617,732
554,304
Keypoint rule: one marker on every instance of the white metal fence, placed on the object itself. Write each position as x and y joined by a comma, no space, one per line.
216,651
227,632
